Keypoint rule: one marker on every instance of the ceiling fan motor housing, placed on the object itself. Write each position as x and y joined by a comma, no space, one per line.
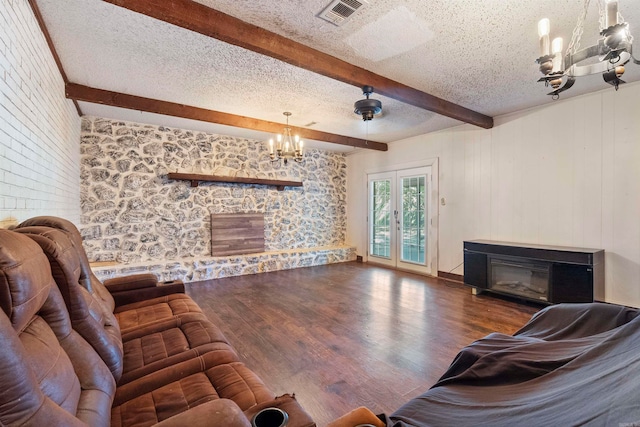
367,108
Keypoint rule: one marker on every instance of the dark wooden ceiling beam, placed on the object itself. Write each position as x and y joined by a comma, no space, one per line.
52,48
88,94
210,22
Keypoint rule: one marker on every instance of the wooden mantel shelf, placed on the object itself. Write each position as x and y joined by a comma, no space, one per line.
196,178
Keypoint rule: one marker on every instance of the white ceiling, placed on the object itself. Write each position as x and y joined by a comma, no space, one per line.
479,54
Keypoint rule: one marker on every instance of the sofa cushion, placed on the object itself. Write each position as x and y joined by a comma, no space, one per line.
56,367
87,279
89,316
220,412
22,264
165,343
22,401
184,386
137,314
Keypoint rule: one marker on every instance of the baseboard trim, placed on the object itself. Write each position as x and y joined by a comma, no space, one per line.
404,270
451,276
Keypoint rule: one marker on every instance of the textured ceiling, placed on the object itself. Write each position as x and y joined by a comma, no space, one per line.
479,54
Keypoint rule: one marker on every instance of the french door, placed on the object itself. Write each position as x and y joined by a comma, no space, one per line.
400,219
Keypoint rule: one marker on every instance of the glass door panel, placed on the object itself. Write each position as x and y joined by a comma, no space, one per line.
413,247
381,219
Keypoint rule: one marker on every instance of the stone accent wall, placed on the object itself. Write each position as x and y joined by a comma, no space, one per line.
132,214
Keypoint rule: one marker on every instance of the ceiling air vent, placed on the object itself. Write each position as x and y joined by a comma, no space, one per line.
339,11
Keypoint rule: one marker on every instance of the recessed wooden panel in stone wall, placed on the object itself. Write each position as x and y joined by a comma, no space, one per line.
237,233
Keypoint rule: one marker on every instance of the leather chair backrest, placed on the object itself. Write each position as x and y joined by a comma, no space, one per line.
87,279
90,317
49,375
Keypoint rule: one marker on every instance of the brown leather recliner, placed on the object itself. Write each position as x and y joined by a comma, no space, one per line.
51,376
136,299
210,388
139,351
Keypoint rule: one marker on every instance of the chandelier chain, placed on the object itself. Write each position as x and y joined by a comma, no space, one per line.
574,45
603,14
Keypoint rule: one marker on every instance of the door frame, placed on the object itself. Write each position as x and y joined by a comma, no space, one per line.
433,242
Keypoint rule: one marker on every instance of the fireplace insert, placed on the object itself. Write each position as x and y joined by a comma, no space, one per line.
548,274
520,277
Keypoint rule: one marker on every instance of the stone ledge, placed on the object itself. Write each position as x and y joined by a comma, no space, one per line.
206,268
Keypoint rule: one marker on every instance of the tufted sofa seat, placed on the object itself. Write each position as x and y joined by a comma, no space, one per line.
66,360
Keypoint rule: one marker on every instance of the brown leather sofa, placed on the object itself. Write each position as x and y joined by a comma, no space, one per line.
72,356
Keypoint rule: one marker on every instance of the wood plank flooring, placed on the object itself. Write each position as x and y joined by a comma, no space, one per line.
346,335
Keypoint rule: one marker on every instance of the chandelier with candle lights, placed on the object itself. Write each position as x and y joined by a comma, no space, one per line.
286,146
613,51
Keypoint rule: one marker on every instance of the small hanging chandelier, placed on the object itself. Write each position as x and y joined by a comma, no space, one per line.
613,50
286,146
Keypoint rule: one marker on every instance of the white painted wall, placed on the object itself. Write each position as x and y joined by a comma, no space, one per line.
565,174
39,127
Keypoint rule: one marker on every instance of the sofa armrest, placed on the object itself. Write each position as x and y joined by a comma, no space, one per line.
140,287
298,417
357,417
220,412
143,294
134,281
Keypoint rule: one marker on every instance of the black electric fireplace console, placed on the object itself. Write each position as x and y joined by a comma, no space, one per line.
549,274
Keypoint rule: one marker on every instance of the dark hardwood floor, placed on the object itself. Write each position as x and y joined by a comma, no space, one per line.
347,335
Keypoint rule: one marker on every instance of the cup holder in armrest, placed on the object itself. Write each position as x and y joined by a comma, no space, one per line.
270,417
172,282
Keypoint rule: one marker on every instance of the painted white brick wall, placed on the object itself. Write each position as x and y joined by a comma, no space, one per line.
39,127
